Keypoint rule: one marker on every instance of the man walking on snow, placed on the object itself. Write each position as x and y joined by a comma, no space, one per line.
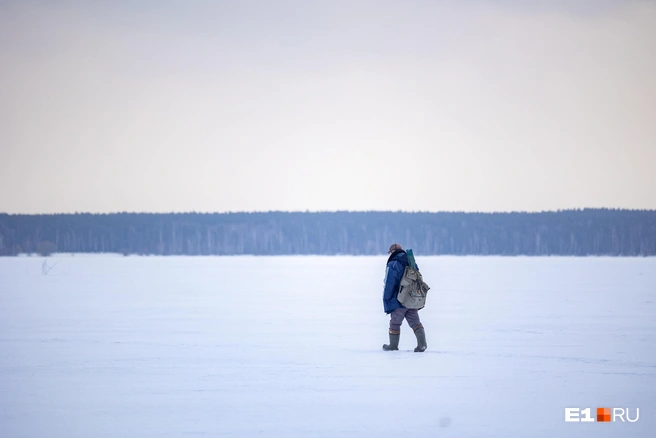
396,264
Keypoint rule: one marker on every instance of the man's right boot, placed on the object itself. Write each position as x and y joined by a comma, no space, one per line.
394,336
420,333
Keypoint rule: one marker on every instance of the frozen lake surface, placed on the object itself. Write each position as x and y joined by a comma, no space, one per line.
112,346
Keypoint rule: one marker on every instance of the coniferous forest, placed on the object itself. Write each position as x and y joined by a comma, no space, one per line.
567,232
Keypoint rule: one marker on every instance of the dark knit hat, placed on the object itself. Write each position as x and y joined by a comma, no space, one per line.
394,247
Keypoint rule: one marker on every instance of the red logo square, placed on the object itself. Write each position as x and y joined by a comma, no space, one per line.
603,415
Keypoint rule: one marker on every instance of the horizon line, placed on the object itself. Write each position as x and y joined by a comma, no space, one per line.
333,212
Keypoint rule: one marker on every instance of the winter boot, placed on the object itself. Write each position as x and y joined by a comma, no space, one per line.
421,339
394,336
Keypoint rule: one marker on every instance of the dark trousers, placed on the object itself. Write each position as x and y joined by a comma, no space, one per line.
397,316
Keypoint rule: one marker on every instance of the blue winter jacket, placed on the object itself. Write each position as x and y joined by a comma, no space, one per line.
395,267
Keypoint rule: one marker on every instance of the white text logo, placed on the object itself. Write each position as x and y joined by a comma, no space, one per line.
604,415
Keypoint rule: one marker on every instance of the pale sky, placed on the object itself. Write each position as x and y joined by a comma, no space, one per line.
415,105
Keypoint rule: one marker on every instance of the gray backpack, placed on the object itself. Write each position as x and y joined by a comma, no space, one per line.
413,290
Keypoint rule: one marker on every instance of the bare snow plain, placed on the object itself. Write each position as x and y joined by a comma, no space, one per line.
113,346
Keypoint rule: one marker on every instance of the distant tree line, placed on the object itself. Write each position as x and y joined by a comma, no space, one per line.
567,232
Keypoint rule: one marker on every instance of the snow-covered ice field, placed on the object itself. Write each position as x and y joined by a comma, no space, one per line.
113,346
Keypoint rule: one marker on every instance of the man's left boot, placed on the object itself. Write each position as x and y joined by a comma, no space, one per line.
421,339
394,336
